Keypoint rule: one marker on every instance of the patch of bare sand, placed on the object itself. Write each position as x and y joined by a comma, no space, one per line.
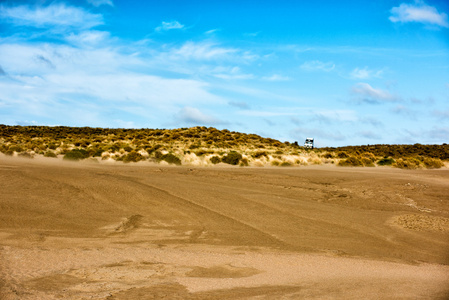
90,231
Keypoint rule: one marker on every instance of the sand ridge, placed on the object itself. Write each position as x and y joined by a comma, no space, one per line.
95,231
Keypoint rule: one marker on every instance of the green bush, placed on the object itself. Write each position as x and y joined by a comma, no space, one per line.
386,161
232,158
171,159
76,154
16,148
50,154
215,159
52,146
128,148
276,163
350,162
132,157
286,164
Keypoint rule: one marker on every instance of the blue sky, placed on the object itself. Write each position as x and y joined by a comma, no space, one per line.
343,72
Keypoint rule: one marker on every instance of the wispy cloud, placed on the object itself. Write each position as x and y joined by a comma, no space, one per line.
369,135
367,94
165,26
316,65
97,3
52,15
365,73
88,38
276,77
418,12
194,116
233,73
201,51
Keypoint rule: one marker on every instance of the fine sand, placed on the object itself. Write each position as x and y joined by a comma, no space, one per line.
142,231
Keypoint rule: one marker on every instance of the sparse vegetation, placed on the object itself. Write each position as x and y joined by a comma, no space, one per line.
206,146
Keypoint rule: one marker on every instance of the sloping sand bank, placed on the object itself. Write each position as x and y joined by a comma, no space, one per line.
93,231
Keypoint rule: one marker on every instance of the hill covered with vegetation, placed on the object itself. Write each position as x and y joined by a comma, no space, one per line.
203,146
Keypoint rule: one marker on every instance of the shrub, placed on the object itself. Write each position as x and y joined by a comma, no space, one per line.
328,155
367,162
407,163
50,154
432,163
76,154
202,152
52,146
232,158
97,152
16,148
133,156
350,162
386,161
244,162
152,149
215,159
275,162
259,154
171,159
370,156
286,164
342,154
128,148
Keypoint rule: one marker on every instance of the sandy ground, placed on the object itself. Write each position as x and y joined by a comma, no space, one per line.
96,231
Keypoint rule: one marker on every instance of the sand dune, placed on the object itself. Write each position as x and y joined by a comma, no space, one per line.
100,231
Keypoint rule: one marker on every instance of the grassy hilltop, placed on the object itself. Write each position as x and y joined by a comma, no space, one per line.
203,146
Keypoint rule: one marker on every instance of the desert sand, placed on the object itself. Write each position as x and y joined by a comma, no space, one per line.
142,231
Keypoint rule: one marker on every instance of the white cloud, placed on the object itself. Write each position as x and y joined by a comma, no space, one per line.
57,82
52,15
233,73
169,26
212,31
88,38
367,94
202,51
97,3
418,12
365,73
276,77
316,65
194,116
